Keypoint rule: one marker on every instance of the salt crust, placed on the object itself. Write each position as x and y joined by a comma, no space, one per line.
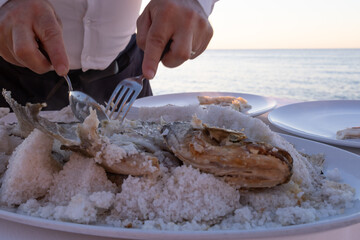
33,163
7,145
181,198
333,175
79,175
8,141
5,139
183,188
64,115
4,111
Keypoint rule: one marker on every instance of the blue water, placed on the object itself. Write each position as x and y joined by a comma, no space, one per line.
311,74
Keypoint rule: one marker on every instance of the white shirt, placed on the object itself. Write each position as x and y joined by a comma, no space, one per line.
96,31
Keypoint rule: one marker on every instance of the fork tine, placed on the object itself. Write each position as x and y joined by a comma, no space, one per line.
112,98
123,90
123,102
129,88
130,103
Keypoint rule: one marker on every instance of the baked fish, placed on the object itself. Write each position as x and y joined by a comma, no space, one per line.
228,154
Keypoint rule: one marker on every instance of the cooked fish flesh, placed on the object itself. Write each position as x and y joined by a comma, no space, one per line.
228,154
238,103
348,133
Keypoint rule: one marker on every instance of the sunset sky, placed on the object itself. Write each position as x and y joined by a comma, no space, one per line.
284,24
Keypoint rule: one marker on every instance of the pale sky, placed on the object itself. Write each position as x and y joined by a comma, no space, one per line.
279,24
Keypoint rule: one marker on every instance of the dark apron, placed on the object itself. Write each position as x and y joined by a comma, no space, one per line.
27,86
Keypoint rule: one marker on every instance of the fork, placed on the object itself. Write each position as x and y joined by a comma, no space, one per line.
125,92
132,88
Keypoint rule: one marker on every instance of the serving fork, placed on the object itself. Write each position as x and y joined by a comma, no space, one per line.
125,93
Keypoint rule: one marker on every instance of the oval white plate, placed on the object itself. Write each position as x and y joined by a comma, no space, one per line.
258,103
13,224
319,120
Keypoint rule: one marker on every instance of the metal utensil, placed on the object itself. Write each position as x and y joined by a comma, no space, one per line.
128,88
80,104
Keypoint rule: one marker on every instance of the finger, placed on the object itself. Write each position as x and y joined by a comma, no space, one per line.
202,38
143,24
26,52
49,32
197,46
7,55
6,50
156,41
180,49
197,49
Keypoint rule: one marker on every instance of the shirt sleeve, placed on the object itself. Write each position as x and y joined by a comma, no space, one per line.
207,5
2,2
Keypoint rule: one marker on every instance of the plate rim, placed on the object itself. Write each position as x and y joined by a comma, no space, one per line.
272,101
285,127
116,232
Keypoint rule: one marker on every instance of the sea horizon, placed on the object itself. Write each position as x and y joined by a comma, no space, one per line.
302,74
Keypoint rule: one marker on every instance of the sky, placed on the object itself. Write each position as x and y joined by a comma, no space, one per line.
285,24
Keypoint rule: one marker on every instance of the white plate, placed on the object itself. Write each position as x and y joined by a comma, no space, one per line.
258,103
319,120
16,226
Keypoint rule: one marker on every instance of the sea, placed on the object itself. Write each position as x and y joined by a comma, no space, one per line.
301,74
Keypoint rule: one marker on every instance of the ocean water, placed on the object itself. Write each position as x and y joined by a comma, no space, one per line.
302,74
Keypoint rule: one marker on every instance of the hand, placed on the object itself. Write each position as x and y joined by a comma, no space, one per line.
183,22
24,24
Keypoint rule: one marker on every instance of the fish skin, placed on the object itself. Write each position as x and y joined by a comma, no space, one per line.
242,163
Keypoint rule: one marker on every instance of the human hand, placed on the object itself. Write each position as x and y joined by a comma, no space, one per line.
24,25
181,22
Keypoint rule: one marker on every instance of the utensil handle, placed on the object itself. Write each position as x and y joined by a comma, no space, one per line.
166,49
42,50
68,82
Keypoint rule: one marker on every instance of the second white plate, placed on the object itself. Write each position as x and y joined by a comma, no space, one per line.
259,104
319,120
